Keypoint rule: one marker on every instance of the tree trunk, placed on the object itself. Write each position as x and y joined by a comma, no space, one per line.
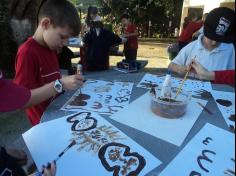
18,19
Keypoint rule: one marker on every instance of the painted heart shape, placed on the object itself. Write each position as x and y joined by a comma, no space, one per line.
82,122
80,100
117,158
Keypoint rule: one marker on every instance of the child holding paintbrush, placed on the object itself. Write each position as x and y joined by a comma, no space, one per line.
214,50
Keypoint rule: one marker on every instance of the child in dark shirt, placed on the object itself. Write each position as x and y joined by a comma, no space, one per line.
98,42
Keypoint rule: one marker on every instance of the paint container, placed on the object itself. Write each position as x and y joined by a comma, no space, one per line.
166,87
169,107
79,69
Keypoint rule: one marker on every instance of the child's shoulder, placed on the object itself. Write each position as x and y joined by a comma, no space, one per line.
131,25
29,45
27,51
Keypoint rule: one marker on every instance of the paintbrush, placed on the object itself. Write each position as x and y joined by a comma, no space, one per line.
80,72
64,151
185,78
206,109
182,83
60,155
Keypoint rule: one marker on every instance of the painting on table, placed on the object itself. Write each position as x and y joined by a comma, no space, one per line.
139,115
198,88
226,103
206,155
99,96
96,147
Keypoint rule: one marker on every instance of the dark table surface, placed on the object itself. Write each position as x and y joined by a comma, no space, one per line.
163,150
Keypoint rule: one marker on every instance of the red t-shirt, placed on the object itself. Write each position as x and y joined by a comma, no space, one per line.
132,42
187,33
36,66
225,77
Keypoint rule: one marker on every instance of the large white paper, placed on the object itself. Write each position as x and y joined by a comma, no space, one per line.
226,103
140,116
198,88
100,147
102,97
210,153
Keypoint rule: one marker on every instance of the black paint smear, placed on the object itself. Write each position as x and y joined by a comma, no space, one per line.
116,169
205,158
149,84
232,118
194,173
204,94
78,103
83,96
225,103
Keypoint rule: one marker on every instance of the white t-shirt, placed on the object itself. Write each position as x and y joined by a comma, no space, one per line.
221,58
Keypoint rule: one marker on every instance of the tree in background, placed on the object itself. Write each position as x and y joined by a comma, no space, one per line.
18,20
161,13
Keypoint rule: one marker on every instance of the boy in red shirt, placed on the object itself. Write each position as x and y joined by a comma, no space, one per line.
190,26
37,60
131,33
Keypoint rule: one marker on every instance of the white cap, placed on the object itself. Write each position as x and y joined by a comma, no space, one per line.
97,19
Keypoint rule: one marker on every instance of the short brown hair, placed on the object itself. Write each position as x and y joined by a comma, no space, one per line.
62,13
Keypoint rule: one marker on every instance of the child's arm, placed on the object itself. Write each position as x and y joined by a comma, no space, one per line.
135,34
114,39
47,91
180,69
182,60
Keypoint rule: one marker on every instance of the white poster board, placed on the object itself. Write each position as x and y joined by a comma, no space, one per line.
140,116
226,103
210,153
101,149
198,88
102,97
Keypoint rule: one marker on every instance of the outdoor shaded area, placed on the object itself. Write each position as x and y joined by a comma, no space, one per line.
158,94
12,125
18,20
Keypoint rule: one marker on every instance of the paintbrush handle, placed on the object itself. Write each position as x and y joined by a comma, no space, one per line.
182,83
67,148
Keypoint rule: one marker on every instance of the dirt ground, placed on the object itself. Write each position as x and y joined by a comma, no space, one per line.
12,125
154,52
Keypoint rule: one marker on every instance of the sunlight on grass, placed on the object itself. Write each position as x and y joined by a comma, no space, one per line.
156,55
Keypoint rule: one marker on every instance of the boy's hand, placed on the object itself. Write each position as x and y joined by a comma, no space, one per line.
50,170
202,73
124,40
72,82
